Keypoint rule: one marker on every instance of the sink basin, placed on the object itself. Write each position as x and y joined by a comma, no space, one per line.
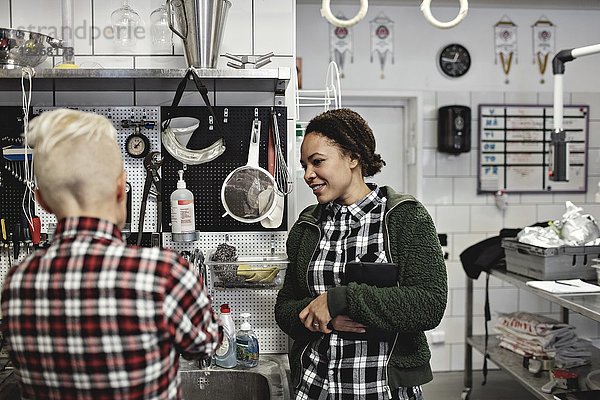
267,381
224,385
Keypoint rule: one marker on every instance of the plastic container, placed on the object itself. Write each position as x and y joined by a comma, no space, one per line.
182,208
225,355
551,263
255,272
246,344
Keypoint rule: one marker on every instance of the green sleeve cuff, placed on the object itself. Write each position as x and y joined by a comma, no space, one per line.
336,301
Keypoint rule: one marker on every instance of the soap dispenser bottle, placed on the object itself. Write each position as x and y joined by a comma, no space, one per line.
225,354
247,344
182,208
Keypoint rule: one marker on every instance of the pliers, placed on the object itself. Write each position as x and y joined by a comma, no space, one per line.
152,163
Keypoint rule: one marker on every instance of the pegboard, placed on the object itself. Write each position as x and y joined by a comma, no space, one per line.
12,173
205,180
136,173
260,303
7,261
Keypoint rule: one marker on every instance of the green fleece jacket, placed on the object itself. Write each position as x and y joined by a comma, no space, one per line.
415,306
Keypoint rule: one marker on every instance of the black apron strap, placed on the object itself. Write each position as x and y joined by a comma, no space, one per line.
203,92
488,317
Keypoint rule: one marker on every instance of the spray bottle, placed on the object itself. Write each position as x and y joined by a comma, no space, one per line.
182,208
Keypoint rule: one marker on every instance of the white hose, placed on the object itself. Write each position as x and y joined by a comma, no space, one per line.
462,13
326,12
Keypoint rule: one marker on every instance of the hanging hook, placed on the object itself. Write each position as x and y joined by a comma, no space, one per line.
462,13
326,12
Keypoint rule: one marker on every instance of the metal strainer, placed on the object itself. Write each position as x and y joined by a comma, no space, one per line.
248,192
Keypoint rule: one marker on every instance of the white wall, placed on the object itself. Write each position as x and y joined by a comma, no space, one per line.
450,182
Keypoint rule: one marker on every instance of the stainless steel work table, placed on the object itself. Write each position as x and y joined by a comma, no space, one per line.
587,305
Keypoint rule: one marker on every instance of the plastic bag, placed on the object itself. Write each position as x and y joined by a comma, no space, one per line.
573,229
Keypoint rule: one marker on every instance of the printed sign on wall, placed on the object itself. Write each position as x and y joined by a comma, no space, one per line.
514,148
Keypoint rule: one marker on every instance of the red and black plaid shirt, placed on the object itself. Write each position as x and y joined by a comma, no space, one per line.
92,318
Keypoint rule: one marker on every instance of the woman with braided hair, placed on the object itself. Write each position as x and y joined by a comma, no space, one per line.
354,340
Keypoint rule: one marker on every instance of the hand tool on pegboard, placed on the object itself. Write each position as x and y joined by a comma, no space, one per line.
152,163
5,239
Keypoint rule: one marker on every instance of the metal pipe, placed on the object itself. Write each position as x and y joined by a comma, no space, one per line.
68,26
558,102
585,51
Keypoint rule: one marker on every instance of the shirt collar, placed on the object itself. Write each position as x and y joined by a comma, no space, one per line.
76,226
361,207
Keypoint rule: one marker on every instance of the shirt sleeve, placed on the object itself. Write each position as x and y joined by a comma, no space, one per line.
196,330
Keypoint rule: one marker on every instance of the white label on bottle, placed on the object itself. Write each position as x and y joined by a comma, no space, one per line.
182,216
223,348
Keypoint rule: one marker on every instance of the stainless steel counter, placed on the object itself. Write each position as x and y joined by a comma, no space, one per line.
223,80
266,73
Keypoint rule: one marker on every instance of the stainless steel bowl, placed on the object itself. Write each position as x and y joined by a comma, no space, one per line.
20,48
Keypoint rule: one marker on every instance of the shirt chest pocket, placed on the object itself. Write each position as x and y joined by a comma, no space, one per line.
377,257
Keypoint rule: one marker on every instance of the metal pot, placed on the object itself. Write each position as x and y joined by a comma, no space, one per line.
19,48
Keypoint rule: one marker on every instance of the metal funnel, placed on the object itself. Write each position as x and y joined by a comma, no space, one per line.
200,23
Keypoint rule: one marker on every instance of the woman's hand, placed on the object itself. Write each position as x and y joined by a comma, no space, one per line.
315,316
343,323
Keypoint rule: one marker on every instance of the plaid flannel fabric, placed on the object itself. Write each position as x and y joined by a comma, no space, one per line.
336,368
92,318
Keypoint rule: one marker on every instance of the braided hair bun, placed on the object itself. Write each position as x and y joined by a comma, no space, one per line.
351,133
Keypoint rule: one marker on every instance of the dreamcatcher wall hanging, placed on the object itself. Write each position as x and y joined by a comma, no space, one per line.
341,45
505,43
382,40
543,43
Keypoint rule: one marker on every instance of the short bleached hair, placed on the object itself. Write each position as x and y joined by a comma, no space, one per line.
76,156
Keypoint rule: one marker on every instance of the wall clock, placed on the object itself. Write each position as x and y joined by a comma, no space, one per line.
454,60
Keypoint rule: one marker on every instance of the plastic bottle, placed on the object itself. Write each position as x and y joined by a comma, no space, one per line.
225,354
247,344
182,208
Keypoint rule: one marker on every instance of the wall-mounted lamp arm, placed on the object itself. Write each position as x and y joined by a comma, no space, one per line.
559,146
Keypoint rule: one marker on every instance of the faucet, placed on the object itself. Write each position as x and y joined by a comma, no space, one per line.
199,263
204,363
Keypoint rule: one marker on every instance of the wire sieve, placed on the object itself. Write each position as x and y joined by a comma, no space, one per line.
248,192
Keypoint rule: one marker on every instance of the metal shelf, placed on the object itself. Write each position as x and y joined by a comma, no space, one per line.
512,364
255,80
587,305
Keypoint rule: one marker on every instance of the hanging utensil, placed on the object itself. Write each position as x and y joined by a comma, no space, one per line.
285,185
274,219
248,192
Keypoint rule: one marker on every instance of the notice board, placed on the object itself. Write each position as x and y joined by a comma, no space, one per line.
514,148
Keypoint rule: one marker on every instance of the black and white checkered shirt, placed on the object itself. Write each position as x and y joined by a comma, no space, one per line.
332,367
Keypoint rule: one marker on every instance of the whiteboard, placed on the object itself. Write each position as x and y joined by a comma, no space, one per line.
514,145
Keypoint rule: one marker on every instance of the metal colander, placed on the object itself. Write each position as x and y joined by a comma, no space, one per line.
248,192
